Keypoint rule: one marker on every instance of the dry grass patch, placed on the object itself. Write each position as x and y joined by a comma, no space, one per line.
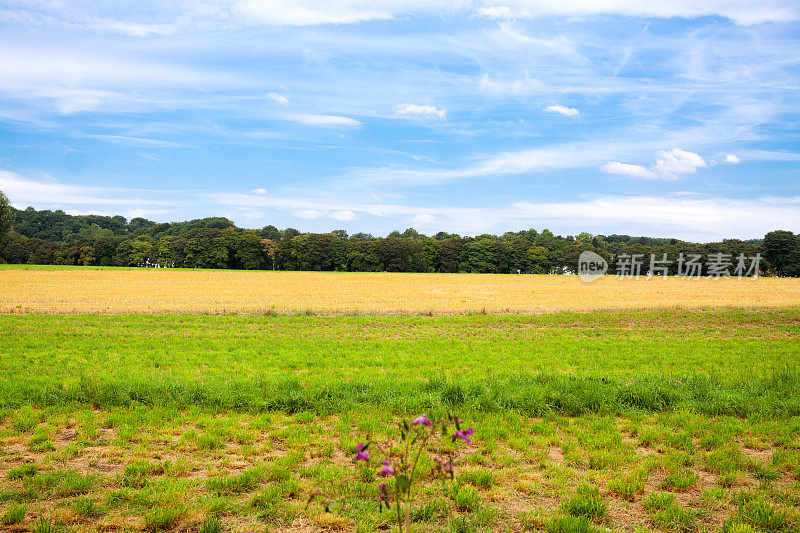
219,292
167,487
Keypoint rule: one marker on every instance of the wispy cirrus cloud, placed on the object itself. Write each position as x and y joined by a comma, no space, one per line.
670,165
739,11
35,67
312,13
136,141
23,191
325,120
690,216
277,97
122,17
498,12
403,101
133,29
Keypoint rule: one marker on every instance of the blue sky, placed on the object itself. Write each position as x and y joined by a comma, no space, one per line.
672,118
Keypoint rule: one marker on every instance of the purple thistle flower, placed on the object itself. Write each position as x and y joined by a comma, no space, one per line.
464,434
421,420
446,466
384,493
363,454
387,469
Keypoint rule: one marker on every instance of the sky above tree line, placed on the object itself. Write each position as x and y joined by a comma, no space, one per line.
669,119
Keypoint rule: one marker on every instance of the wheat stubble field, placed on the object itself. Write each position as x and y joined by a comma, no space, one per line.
142,400
121,291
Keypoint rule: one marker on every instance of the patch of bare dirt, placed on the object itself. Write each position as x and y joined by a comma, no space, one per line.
556,455
64,436
763,456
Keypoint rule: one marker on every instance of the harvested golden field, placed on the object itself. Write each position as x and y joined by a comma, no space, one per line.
184,291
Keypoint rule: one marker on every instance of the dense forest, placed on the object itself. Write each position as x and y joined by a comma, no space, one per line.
54,237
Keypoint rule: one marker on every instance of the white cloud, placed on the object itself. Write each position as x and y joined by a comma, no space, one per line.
343,215
425,110
129,213
259,191
76,81
325,120
135,141
81,212
694,216
629,170
51,194
424,219
569,155
732,159
670,166
31,68
166,18
279,98
676,162
496,12
312,12
143,213
562,110
742,12
133,29
310,213
71,106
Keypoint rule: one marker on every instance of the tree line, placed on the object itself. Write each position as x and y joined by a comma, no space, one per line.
56,238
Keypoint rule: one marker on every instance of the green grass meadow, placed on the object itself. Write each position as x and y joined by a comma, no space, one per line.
717,362
676,421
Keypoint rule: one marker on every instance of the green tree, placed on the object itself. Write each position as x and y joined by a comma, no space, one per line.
451,252
393,253
482,255
249,253
517,249
271,232
537,261
20,250
87,256
318,253
339,250
781,249
141,251
205,252
45,253
104,248
6,219
172,251
122,254
361,256
270,247
431,255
